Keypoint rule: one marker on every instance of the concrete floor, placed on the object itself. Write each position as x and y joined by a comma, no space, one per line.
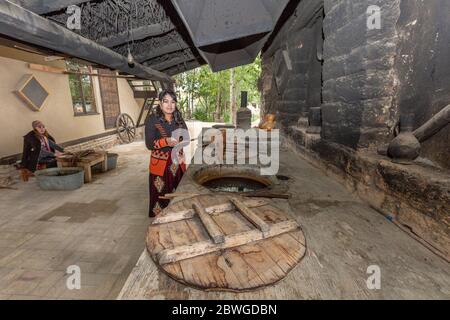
101,228
345,238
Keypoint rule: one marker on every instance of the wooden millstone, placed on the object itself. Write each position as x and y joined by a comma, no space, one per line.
225,243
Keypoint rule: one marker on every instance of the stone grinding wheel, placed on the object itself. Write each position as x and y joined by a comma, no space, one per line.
181,244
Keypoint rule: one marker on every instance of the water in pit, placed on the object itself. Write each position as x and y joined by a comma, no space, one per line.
233,184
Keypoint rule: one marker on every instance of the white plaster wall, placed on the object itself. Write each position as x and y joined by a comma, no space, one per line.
57,113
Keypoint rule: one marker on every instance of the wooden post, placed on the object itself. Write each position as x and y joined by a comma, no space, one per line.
19,23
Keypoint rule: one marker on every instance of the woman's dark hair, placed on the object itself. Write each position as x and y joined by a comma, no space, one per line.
177,116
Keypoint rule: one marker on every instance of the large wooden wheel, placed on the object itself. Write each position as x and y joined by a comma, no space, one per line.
126,129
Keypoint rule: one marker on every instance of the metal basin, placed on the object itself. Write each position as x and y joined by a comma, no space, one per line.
69,178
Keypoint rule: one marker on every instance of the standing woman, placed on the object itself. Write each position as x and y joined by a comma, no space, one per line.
39,150
165,172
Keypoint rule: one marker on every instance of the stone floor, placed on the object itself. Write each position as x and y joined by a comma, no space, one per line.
345,239
101,228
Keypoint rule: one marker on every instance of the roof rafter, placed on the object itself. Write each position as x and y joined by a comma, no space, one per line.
173,47
19,23
139,33
171,62
183,67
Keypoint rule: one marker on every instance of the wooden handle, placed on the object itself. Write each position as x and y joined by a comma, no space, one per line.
212,228
257,194
169,196
250,215
263,194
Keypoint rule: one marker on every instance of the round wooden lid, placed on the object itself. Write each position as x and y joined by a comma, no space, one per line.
221,242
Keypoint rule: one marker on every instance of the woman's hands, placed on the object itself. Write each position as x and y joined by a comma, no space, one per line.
172,142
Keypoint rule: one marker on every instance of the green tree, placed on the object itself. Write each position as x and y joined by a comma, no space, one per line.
205,95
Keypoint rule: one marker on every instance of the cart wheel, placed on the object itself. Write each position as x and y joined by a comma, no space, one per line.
126,128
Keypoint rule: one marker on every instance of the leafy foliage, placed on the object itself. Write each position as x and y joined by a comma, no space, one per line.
204,95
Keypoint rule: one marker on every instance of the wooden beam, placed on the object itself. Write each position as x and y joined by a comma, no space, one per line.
24,25
203,247
434,125
250,215
47,6
173,47
182,68
211,226
212,210
43,68
137,34
145,94
141,113
171,62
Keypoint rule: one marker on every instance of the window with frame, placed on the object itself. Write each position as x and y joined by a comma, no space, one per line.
81,89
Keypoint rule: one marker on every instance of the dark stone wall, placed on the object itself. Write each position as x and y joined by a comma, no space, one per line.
423,67
292,70
358,79
367,77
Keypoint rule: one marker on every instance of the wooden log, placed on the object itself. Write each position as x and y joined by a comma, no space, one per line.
144,94
265,194
44,68
26,26
231,241
250,215
182,68
212,228
172,47
138,33
432,126
256,194
171,62
169,196
212,210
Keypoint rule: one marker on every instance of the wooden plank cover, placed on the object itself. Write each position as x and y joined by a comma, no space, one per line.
264,260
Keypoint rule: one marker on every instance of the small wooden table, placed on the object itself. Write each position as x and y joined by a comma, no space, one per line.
86,163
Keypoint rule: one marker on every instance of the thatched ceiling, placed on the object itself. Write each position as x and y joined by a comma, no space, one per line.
155,39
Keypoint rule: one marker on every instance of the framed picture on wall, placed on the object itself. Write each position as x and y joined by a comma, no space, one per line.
32,92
